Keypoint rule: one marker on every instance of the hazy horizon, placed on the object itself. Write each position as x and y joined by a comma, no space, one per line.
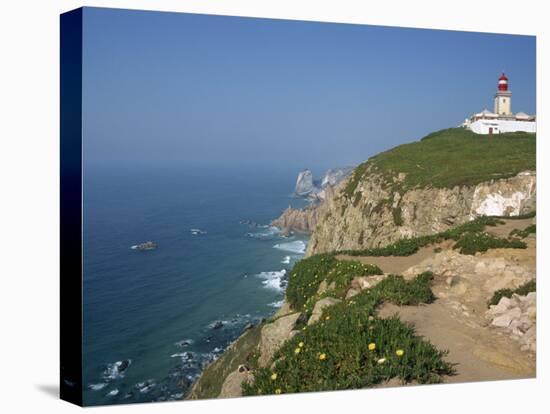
175,88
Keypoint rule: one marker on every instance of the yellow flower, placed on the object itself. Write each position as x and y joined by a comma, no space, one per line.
274,376
372,346
327,317
323,356
278,391
399,352
381,361
301,344
297,350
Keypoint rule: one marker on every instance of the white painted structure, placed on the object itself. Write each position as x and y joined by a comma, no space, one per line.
502,120
500,126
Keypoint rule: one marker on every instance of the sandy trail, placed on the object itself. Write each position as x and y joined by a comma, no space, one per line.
480,353
397,264
457,324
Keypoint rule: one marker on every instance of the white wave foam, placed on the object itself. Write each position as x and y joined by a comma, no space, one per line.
276,304
297,246
113,393
145,386
97,387
184,342
286,260
274,280
270,231
116,370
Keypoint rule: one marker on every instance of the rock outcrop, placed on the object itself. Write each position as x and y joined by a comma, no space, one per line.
300,220
517,316
307,186
304,184
375,214
319,307
274,334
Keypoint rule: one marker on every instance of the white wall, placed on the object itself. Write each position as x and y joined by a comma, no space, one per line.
482,126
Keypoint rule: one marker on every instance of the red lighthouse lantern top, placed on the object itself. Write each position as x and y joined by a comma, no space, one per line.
503,83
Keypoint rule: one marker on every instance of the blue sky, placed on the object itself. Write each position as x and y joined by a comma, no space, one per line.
216,90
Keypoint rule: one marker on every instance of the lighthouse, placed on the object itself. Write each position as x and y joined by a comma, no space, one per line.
501,120
503,98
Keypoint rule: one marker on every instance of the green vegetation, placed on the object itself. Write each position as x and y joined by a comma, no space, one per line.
531,229
520,217
397,218
356,177
307,275
469,237
350,347
456,156
243,351
523,290
471,243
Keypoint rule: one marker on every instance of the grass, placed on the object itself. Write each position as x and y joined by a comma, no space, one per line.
531,229
337,353
470,238
307,275
456,157
523,290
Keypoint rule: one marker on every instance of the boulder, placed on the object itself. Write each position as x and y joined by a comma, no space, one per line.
232,385
273,335
366,282
319,306
504,320
351,293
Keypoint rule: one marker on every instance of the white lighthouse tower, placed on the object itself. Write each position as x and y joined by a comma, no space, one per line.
503,98
501,120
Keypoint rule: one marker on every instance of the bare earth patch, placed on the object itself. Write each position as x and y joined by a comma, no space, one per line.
457,320
397,264
481,354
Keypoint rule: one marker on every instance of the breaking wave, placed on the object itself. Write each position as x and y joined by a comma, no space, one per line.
297,246
276,280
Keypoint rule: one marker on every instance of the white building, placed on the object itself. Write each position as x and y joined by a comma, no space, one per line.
501,119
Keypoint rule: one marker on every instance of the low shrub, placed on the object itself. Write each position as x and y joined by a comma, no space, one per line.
349,347
471,243
531,229
469,237
523,290
307,275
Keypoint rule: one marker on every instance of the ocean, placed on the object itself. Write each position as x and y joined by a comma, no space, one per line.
153,319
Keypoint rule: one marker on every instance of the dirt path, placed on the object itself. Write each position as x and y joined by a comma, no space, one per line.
397,264
503,230
481,353
456,320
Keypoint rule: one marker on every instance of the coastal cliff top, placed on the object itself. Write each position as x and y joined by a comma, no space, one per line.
450,157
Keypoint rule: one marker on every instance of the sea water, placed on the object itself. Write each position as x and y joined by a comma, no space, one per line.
154,318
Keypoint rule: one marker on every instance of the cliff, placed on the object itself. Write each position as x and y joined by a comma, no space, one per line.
304,220
300,220
307,186
426,187
437,187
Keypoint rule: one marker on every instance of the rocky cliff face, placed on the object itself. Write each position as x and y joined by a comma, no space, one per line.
304,184
376,213
307,186
300,220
